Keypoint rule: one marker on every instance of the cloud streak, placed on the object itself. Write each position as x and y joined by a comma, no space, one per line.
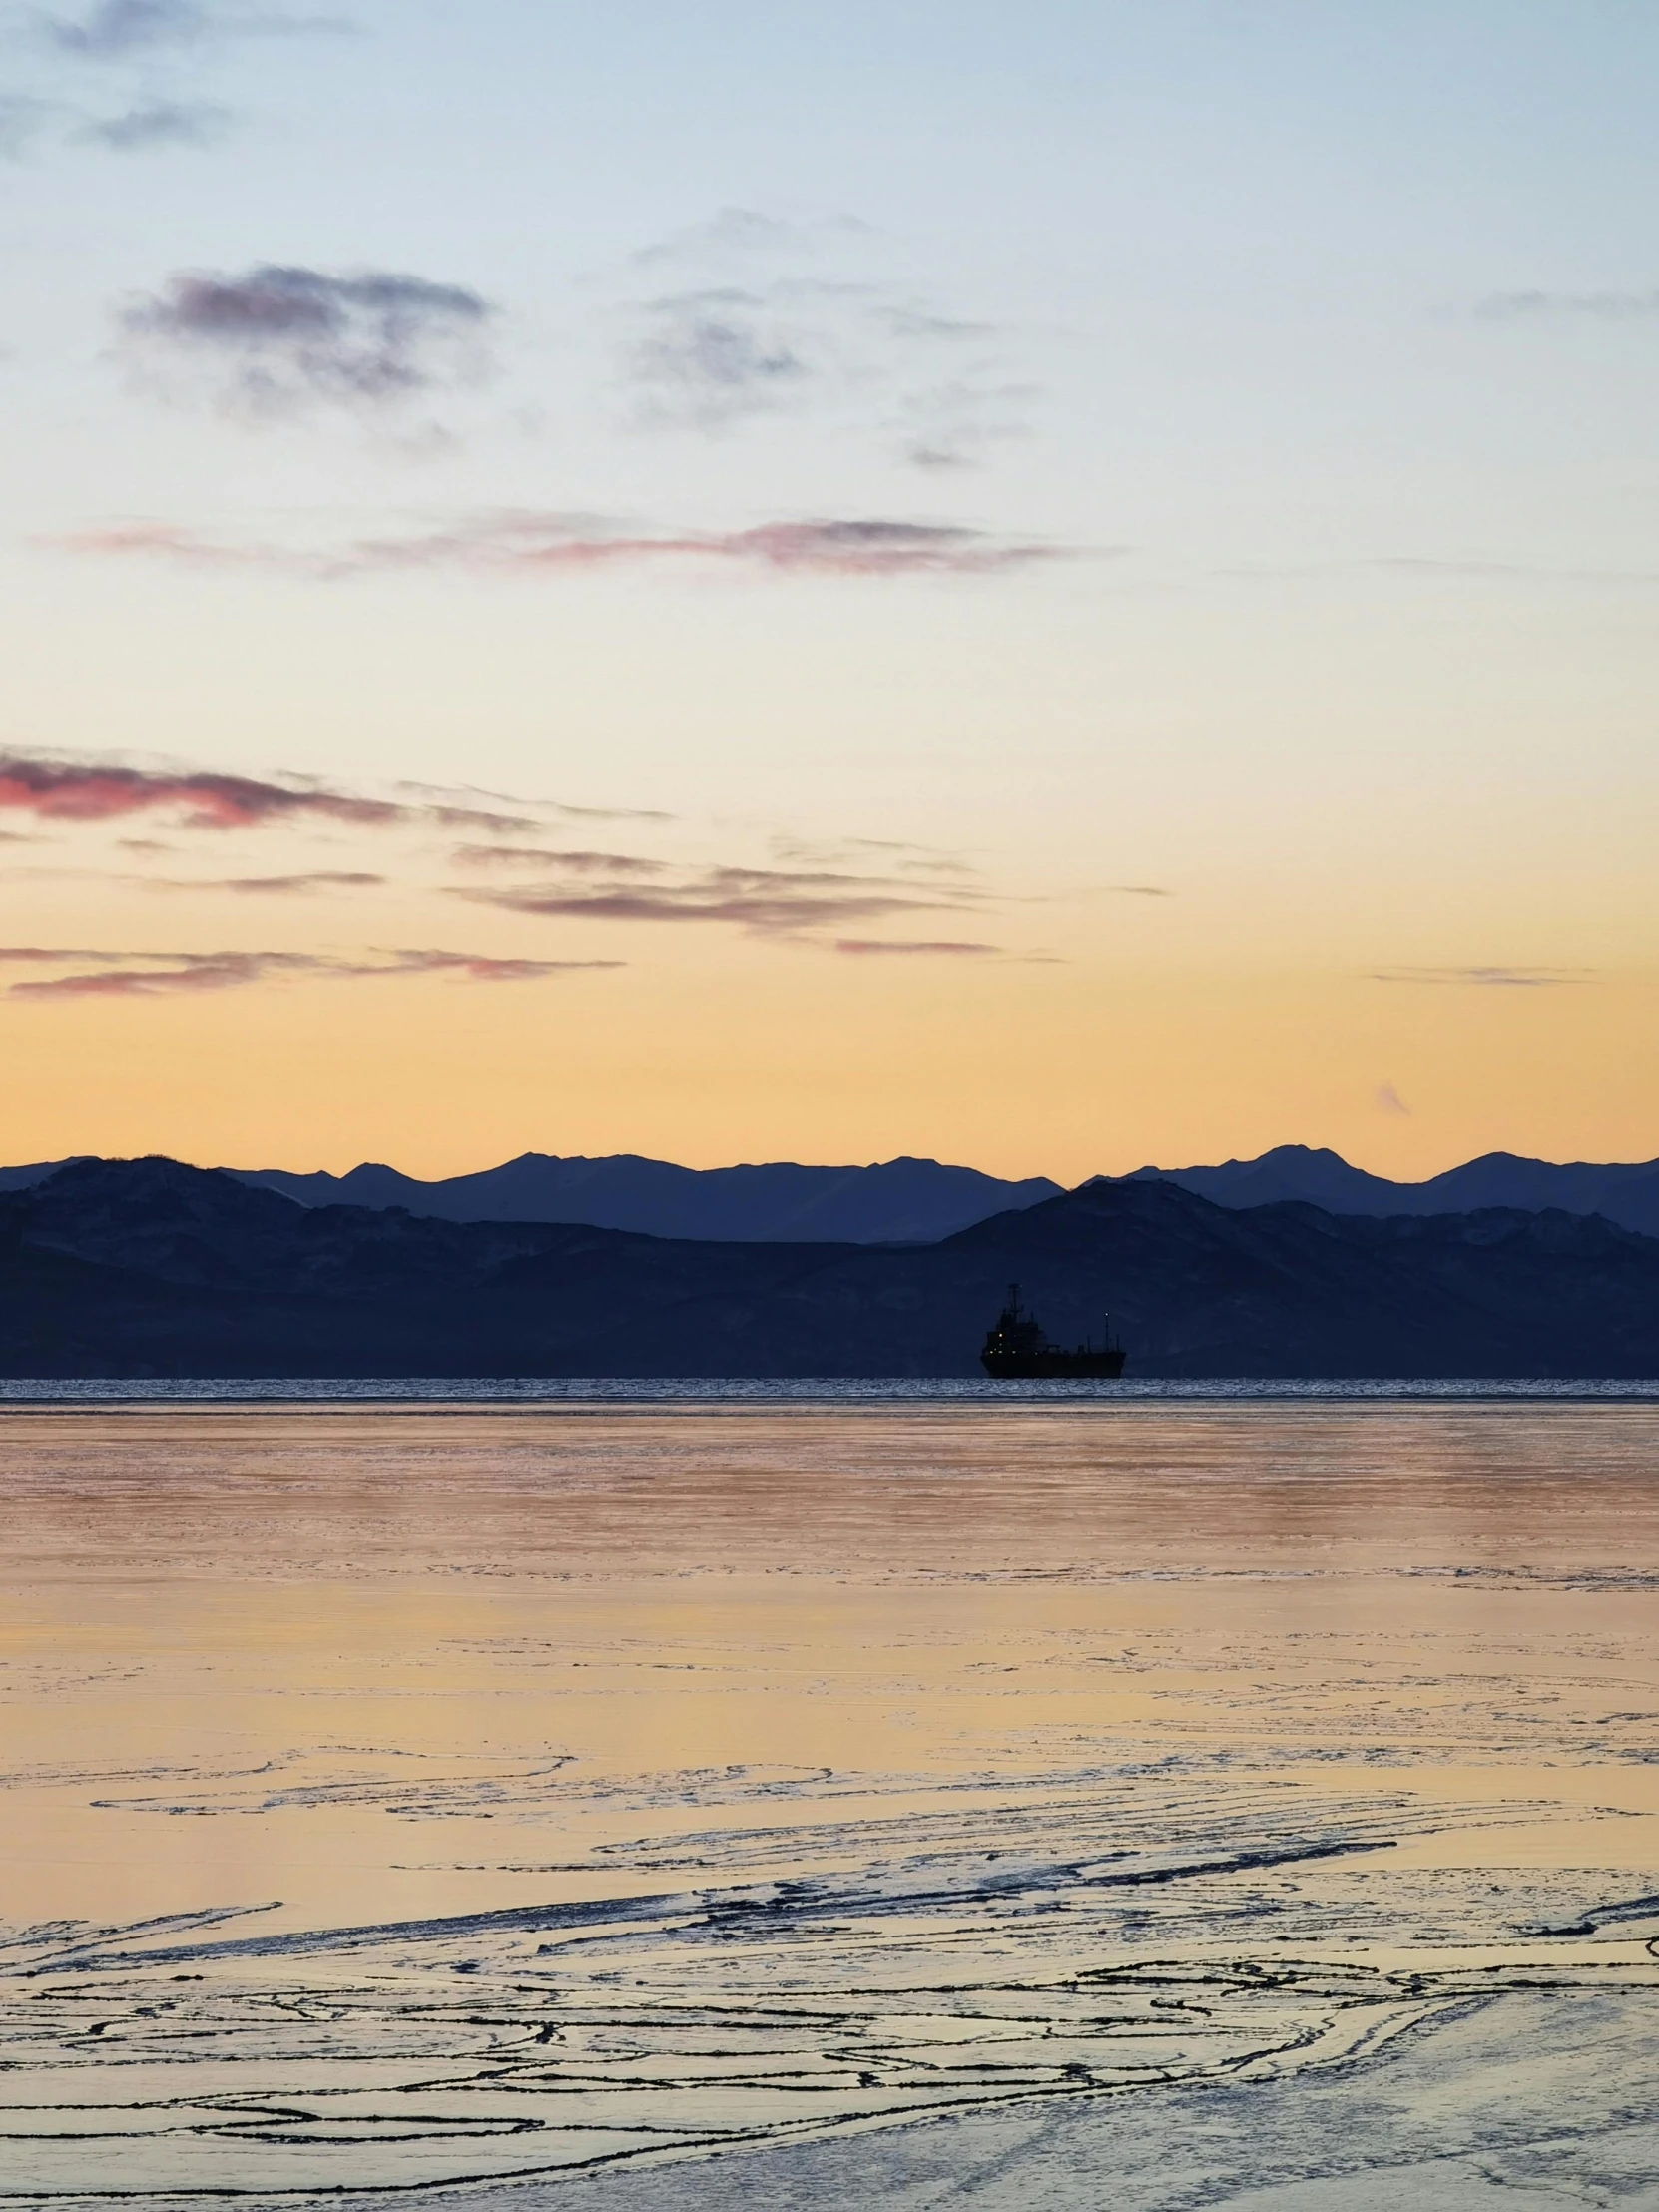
170,975
1599,307
72,790
159,122
270,886
205,798
37,956
466,796
897,854
279,339
543,856
765,902
117,29
832,899
1488,978
740,233
863,948
536,544
127,29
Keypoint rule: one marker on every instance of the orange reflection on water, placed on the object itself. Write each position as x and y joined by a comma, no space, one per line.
389,1664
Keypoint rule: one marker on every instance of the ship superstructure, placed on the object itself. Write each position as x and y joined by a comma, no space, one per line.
1017,1349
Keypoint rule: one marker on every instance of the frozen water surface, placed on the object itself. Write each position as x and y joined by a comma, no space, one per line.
777,1800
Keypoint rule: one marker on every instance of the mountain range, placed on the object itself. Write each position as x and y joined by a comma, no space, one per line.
1628,1194
150,1268
894,1202
909,1201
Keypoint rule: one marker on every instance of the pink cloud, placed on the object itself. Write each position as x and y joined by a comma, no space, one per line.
175,973
536,855
208,799
514,542
73,791
768,901
865,947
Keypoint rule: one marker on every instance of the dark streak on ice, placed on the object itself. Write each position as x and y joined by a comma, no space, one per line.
775,1900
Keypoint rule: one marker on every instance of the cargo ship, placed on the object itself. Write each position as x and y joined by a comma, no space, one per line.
1016,1350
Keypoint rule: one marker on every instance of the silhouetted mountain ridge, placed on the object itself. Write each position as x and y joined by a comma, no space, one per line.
151,1267
910,1201
1626,1194
891,1202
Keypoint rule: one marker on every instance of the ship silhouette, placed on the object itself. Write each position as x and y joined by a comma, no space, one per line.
1016,1348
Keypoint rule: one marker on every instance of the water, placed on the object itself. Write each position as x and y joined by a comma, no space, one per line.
765,1795
702,1390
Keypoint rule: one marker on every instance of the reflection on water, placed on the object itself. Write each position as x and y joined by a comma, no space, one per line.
405,1797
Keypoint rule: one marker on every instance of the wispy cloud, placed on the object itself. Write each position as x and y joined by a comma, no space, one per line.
707,359
161,541
895,853
1390,1100
529,543
1416,564
164,974
781,313
741,233
765,901
1452,568
159,122
119,28
774,916
939,949
468,794
710,357
122,30
956,424
1497,978
82,791
1601,307
37,956
148,50
546,857
829,898
270,886
208,799
279,339
1475,570
201,972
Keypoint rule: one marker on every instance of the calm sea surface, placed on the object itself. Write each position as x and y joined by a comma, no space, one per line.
677,1390
774,1795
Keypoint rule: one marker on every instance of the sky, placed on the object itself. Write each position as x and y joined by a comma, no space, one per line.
1058,587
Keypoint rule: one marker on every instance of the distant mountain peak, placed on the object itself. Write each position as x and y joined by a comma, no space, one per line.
1627,1194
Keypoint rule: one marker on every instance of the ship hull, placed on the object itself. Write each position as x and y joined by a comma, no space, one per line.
1052,1365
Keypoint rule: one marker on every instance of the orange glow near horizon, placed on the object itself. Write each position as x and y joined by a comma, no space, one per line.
712,1052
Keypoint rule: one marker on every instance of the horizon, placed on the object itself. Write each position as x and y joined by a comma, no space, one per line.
854,1166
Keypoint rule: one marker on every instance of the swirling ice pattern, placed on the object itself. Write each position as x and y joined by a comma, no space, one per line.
202,2056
